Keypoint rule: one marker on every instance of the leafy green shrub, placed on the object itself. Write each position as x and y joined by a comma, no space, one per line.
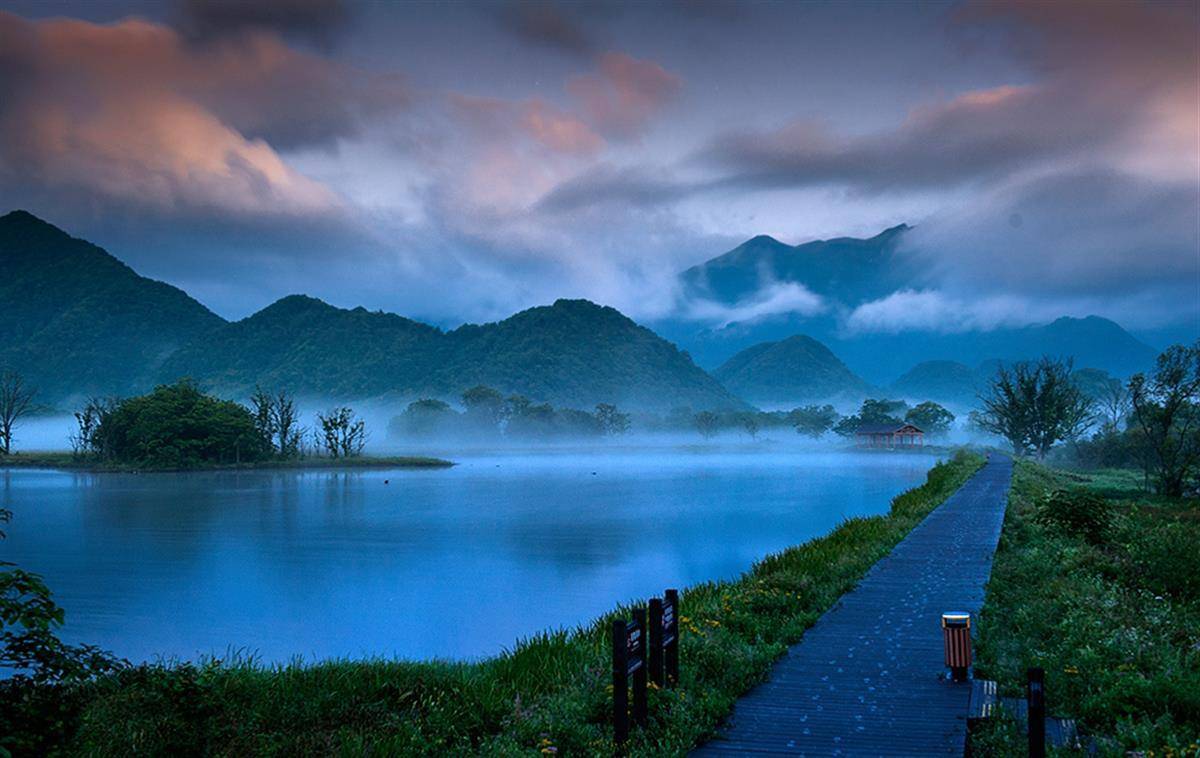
178,426
50,680
1167,559
1076,512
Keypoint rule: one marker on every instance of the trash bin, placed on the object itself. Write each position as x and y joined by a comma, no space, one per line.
956,634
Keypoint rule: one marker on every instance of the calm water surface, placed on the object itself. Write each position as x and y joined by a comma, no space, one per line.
457,563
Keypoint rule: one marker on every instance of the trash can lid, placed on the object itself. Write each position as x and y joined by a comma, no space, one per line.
956,618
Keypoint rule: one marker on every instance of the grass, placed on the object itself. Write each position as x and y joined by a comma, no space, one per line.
1110,609
549,695
69,461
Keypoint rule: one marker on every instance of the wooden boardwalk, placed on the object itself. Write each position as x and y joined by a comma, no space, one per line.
867,678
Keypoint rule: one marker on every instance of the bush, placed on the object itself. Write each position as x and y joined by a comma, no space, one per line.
1167,559
178,426
1076,512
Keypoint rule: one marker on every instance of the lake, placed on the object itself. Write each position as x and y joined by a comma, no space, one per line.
455,563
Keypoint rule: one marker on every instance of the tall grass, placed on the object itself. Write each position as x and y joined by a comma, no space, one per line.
549,695
1112,614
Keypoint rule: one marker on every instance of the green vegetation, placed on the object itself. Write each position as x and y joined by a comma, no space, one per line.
548,695
78,321
930,418
488,415
573,353
1035,405
1099,584
178,426
872,412
796,369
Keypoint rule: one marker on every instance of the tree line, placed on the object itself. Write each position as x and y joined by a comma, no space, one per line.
488,413
1152,421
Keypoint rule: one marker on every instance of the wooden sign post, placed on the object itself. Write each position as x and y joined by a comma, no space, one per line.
670,640
629,667
664,639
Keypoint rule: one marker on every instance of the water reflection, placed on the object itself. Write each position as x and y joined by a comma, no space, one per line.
454,563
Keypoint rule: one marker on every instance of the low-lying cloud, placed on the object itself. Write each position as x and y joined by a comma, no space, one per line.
774,299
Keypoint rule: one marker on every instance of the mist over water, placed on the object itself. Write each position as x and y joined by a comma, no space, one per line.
457,562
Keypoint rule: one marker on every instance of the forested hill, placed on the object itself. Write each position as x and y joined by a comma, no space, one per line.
77,321
796,370
573,353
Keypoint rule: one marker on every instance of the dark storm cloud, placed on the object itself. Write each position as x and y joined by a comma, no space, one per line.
317,21
547,25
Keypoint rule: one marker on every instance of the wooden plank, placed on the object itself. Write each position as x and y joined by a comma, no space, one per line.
868,677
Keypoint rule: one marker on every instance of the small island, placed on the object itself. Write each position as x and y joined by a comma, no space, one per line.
177,427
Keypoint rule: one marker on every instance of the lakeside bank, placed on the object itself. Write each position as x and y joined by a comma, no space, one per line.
70,462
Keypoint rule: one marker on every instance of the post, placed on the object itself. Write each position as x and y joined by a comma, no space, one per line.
638,652
620,676
671,637
1037,713
655,654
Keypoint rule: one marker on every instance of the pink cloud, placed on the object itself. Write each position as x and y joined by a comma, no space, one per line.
623,94
132,112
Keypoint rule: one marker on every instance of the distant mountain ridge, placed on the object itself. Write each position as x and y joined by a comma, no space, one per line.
790,372
79,322
855,270
846,272
572,353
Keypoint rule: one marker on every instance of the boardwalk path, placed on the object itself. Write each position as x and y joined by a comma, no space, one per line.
865,680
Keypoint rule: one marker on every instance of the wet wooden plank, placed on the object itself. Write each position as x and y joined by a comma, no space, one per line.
867,679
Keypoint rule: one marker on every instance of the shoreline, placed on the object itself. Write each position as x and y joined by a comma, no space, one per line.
68,462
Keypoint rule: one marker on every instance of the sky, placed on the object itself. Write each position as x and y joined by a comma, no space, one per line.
459,162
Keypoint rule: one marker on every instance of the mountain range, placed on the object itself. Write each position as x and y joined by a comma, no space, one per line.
847,272
80,322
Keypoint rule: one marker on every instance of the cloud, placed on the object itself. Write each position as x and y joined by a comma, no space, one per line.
934,311
775,299
546,25
132,113
1098,231
317,21
623,94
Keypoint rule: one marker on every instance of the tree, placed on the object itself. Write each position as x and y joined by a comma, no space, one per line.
425,416
611,420
813,420
1112,406
931,418
343,435
882,411
178,426
88,420
749,423
1035,405
1165,410
872,412
485,407
706,423
277,420
16,398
